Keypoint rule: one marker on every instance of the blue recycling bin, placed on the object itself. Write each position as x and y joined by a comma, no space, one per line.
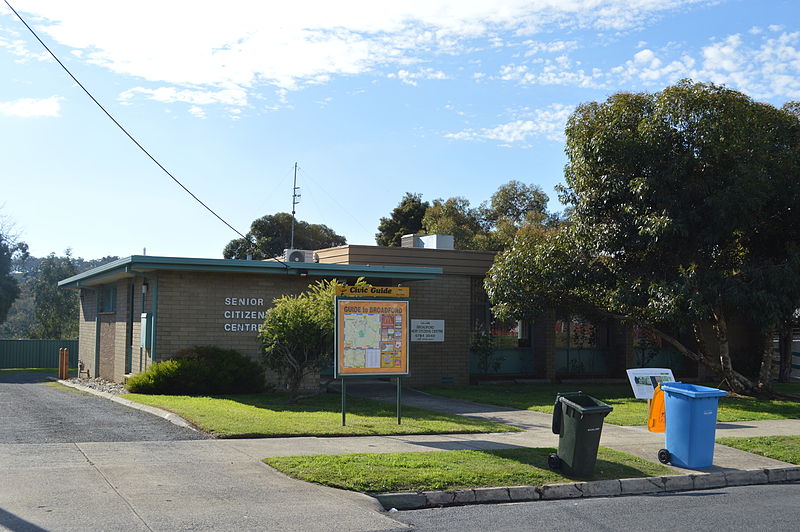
691,424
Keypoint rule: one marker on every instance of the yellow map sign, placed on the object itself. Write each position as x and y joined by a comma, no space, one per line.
371,337
372,291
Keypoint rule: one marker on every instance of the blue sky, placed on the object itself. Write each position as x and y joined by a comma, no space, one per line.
372,99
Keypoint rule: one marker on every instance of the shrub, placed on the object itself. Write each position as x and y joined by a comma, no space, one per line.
297,335
201,370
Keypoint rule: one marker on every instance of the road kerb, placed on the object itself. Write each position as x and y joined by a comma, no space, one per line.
596,488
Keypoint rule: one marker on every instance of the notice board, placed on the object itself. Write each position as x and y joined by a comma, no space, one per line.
372,337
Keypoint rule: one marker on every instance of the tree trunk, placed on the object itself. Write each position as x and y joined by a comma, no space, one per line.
765,371
294,376
785,348
738,382
720,326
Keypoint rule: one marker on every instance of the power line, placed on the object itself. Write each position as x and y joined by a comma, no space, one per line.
89,94
331,196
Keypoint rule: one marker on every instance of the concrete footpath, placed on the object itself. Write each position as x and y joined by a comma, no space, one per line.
731,467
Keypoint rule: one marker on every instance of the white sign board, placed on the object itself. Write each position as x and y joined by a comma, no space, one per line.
644,380
427,330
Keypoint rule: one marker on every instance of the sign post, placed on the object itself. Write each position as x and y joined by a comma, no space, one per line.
372,335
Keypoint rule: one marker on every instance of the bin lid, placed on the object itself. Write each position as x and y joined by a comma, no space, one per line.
583,403
695,391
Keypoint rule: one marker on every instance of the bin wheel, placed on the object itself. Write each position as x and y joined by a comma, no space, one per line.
664,456
553,461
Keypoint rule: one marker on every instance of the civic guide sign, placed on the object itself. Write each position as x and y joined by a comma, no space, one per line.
371,336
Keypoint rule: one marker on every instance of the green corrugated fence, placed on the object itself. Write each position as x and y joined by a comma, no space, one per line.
36,353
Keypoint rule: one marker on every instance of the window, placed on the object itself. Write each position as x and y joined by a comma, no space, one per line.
479,306
578,333
108,299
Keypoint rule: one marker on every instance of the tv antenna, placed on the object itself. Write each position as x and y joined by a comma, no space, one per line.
295,201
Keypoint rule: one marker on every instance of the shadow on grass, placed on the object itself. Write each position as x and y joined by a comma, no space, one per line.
530,396
787,409
362,415
471,445
331,403
604,468
278,402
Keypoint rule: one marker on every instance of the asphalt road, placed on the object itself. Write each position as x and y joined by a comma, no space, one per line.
773,507
35,410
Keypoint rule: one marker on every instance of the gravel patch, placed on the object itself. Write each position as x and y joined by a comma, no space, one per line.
101,385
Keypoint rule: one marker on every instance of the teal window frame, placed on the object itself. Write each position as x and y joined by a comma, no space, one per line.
108,299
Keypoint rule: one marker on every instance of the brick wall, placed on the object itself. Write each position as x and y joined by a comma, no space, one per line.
87,328
197,308
192,309
108,344
446,298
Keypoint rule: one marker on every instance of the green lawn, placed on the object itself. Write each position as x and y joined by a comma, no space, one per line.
783,448
268,415
450,470
627,409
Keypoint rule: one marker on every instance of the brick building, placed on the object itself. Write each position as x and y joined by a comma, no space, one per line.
142,309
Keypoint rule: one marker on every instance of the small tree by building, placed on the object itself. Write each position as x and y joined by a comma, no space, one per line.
297,336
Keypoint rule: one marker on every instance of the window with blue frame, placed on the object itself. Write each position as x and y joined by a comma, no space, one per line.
108,299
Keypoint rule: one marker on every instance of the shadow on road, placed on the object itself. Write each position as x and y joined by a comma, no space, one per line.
17,524
24,377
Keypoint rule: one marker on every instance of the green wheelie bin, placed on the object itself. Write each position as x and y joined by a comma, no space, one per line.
578,421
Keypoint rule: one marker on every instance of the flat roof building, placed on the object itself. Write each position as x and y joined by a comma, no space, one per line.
142,309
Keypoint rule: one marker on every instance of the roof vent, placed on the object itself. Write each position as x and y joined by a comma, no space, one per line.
427,241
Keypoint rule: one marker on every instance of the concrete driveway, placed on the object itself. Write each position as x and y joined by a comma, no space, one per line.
65,466
171,485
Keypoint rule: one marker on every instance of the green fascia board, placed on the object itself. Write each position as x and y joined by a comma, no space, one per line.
137,264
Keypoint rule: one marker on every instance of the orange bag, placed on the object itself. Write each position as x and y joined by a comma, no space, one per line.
657,416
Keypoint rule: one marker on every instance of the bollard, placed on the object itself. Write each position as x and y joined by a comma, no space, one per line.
63,363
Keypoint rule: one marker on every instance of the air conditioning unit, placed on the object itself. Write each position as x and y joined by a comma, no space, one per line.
298,255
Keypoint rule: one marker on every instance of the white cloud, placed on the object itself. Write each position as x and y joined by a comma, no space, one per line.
192,46
761,65
411,78
32,107
536,48
19,48
724,55
235,96
197,112
547,123
558,71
